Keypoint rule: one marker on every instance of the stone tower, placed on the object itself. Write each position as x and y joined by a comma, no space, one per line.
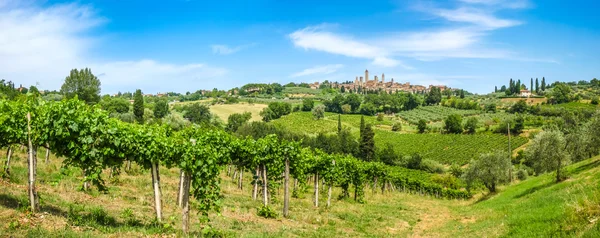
361,80
375,78
382,78
366,75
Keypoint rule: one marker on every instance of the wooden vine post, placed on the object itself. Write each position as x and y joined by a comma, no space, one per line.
32,169
316,189
286,188
156,186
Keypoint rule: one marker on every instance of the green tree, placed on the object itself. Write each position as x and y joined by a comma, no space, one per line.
490,169
519,107
307,104
161,108
83,84
561,93
138,106
236,120
354,101
388,155
118,105
547,152
531,85
490,107
543,84
339,123
462,93
422,126
453,124
537,86
471,125
197,113
318,112
367,143
397,126
434,96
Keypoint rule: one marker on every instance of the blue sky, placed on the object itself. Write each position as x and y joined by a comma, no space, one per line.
185,45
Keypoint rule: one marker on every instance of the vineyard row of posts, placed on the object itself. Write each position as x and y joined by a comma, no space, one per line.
88,139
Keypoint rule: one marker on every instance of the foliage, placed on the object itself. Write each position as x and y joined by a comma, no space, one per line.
236,120
397,126
138,106
197,113
561,93
161,108
519,107
434,96
434,113
118,105
422,126
388,155
367,143
547,152
276,110
491,169
471,125
307,104
83,84
453,124
318,112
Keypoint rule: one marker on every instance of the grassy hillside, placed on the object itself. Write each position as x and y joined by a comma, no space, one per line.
537,207
445,148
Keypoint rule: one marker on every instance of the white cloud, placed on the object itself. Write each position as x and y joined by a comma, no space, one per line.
316,38
475,16
41,45
227,50
326,69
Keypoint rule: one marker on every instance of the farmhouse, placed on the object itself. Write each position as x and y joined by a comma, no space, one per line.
525,93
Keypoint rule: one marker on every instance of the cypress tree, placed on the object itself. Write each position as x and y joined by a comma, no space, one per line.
537,86
362,124
518,87
138,106
495,89
543,84
511,86
367,144
531,85
339,124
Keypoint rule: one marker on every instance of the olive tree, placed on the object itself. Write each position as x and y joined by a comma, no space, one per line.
547,152
318,112
491,169
83,84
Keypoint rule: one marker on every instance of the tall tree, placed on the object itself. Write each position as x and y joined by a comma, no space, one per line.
511,86
138,106
491,169
462,93
495,89
543,84
453,124
531,85
434,97
537,86
161,108
362,124
367,143
83,84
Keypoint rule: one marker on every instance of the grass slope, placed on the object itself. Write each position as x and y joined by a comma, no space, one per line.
537,207
224,110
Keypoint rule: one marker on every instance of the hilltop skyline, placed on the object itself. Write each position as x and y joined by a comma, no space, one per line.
189,45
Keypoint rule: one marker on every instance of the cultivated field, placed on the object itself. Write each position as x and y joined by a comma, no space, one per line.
530,101
224,110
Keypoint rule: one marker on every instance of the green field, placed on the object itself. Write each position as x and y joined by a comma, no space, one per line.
443,148
433,113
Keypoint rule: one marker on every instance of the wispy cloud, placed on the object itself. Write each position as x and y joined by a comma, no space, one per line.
227,50
475,16
326,69
475,20
317,38
53,40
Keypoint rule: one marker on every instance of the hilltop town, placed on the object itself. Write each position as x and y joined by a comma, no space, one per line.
361,83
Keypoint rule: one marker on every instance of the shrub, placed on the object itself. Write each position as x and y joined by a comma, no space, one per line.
471,125
397,126
446,180
522,174
453,124
456,170
267,212
307,104
422,126
346,108
432,166
594,101
380,117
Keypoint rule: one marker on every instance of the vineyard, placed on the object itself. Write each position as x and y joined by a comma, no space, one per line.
433,113
89,140
448,148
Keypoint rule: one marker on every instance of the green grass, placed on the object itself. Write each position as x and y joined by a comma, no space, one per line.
574,106
537,207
